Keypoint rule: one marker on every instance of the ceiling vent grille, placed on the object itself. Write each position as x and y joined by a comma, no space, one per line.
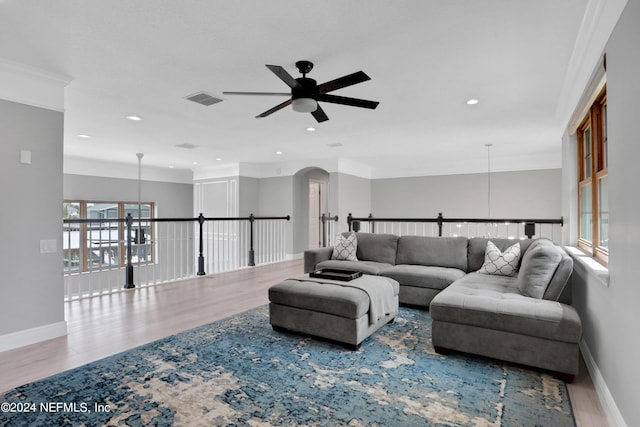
188,146
203,98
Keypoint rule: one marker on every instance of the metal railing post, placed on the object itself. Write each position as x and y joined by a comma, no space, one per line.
440,223
323,219
372,224
201,247
252,262
129,269
529,229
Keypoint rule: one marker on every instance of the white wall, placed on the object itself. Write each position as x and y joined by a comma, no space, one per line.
610,313
32,285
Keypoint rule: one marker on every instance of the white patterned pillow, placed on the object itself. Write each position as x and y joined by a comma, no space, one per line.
501,263
345,248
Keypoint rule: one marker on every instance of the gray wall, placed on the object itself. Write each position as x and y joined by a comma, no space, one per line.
610,314
172,200
275,198
349,194
521,194
32,286
248,197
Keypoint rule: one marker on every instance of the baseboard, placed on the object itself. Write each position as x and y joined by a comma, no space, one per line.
295,256
32,336
611,411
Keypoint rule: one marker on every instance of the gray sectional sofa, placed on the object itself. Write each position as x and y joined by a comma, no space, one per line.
524,318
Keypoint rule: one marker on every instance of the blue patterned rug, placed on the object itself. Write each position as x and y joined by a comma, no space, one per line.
238,371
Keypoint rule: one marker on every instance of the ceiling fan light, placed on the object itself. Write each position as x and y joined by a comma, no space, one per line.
304,105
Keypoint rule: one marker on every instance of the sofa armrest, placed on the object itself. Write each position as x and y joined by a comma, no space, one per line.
314,256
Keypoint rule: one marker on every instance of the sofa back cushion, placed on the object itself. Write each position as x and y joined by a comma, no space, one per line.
560,282
540,265
477,246
433,251
377,247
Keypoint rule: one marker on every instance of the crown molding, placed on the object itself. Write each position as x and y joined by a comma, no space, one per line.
32,86
598,22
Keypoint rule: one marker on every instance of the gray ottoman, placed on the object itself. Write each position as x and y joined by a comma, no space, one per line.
347,312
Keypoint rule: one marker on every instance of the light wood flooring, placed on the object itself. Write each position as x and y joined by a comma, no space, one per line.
106,325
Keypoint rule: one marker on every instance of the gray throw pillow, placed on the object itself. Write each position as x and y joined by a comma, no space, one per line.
539,264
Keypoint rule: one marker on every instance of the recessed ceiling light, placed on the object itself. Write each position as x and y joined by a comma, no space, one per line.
171,166
311,129
82,135
134,118
472,101
218,158
195,163
279,153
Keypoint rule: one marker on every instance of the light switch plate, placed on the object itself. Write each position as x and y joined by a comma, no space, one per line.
25,157
48,246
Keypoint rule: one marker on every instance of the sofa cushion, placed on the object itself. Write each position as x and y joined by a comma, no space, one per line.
434,251
539,264
494,302
341,301
560,279
501,263
345,247
377,247
423,276
477,245
366,267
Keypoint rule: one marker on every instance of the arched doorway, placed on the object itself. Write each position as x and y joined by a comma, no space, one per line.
311,199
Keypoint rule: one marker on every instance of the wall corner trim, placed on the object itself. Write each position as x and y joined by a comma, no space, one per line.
611,411
32,336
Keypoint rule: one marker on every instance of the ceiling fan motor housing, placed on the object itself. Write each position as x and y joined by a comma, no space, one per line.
306,88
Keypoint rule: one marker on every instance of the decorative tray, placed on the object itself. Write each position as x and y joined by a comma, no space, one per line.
334,274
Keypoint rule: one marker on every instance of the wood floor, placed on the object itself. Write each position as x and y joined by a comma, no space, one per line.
102,326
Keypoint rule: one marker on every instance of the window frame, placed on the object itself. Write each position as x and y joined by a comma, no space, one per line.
85,248
591,174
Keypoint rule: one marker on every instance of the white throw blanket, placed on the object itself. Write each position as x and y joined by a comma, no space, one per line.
379,289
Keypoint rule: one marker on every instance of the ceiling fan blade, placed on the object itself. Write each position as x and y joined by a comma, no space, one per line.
354,102
283,75
274,109
320,115
339,83
258,93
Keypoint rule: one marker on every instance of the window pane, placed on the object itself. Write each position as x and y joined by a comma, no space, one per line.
102,210
141,231
71,236
102,244
586,214
603,206
605,148
587,153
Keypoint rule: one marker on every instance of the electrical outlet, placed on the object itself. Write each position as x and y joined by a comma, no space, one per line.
48,246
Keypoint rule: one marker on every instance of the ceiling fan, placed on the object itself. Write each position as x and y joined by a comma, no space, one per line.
306,93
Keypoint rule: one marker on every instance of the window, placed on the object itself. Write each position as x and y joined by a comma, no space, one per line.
102,245
593,191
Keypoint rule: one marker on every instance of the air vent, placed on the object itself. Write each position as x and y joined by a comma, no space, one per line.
203,98
187,145
336,144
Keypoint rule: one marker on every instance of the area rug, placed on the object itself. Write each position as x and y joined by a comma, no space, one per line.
238,371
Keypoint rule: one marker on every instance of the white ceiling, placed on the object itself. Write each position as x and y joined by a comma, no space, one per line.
425,59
